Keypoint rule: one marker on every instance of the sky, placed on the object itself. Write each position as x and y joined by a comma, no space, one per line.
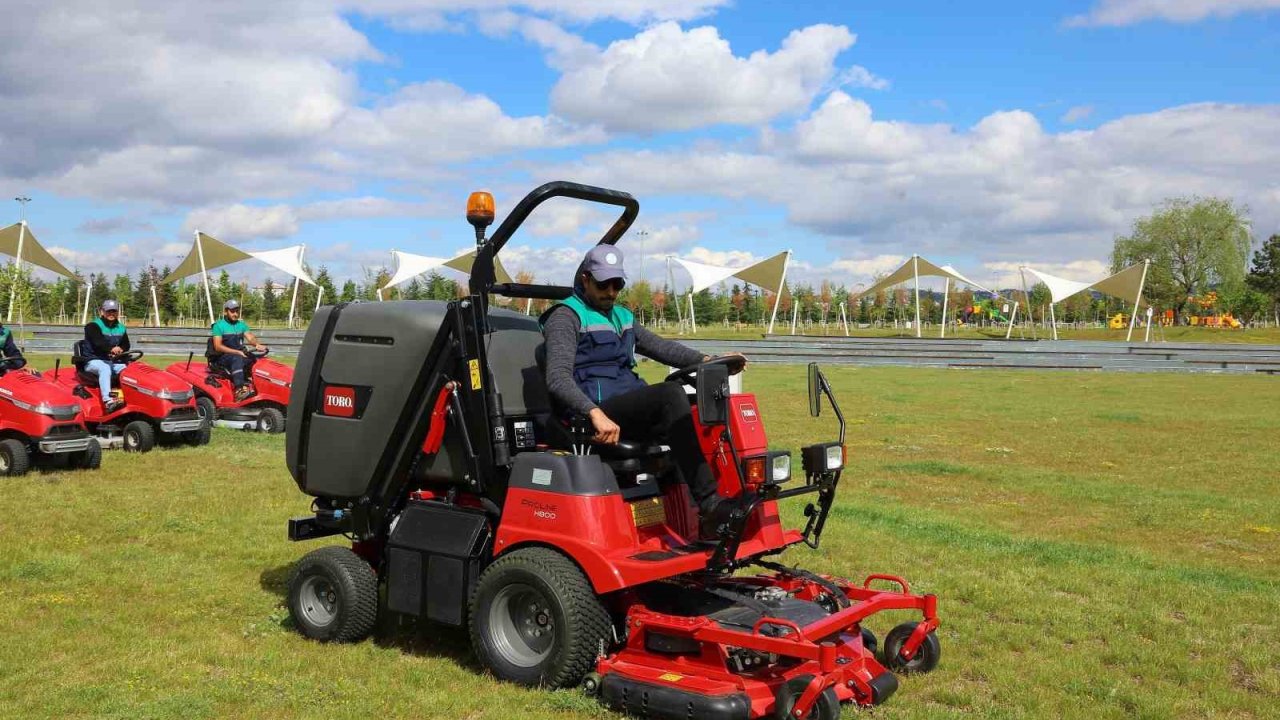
984,135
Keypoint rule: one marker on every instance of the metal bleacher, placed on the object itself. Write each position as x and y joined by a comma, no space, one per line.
914,352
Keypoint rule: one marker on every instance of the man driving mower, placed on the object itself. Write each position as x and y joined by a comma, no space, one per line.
9,353
591,344
107,339
228,349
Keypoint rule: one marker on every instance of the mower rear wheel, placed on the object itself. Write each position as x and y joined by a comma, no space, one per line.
535,619
826,707
89,458
869,641
333,596
207,409
271,421
14,458
139,436
926,657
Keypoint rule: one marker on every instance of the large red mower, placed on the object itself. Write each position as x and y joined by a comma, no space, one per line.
424,432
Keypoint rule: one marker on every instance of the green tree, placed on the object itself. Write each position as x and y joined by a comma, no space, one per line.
1194,244
1264,276
349,291
270,300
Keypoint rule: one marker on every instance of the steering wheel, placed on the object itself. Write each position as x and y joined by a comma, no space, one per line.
128,356
5,361
685,375
257,353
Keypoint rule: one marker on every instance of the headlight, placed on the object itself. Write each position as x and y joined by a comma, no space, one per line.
823,458
772,467
176,396
57,412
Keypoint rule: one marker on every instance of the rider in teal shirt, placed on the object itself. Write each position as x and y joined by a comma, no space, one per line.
230,338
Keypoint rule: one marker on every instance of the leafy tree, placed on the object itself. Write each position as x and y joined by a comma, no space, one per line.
349,291
1264,277
1194,245
270,301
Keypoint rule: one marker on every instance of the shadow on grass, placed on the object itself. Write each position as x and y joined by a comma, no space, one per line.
393,631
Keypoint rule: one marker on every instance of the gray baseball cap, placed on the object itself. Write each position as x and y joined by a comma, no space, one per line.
110,305
604,262
231,305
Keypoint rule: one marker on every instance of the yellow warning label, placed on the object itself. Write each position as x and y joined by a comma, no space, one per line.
475,373
671,677
648,512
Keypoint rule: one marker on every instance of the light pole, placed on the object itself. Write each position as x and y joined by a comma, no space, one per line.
642,234
17,267
23,202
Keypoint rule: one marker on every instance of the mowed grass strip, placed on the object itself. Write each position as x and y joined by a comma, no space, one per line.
1087,564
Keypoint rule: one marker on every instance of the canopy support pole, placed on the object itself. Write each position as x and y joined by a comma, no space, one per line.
1141,284
946,295
693,319
155,303
915,269
671,282
204,274
795,313
1053,318
319,297
293,304
777,298
88,289
1031,311
1013,317
844,319
17,270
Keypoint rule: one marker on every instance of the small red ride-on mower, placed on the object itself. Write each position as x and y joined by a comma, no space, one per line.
157,405
37,419
425,433
216,396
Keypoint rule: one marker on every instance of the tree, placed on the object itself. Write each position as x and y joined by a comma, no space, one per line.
1194,245
270,301
1264,277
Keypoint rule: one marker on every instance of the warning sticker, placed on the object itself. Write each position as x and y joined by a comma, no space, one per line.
671,677
541,476
474,364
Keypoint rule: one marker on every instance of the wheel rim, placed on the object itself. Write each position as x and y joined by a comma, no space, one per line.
4,462
318,601
521,625
131,440
268,422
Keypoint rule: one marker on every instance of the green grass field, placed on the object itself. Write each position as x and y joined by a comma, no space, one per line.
1102,546
1255,336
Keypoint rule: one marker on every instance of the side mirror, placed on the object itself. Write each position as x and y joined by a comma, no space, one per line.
713,394
816,380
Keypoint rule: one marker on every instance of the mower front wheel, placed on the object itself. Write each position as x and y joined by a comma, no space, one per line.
333,596
88,459
826,707
199,437
14,458
926,657
139,436
207,409
535,619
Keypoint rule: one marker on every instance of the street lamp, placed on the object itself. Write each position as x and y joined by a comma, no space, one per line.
22,200
643,234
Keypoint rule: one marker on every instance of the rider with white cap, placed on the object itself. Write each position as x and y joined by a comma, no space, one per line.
107,340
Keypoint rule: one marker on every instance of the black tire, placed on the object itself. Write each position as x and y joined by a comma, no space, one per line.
271,421
826,707
88,459
926,657
535,620
139,436
198,437
207,410
14,458
333,596
869,641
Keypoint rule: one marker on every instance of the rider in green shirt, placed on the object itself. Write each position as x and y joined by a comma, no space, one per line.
231,338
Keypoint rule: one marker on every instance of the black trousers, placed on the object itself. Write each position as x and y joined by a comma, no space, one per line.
661,413
237,366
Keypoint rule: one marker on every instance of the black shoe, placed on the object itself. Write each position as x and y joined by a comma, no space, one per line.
112,405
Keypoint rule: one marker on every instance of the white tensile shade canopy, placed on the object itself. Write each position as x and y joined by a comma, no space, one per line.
912,270
770,274
410,266
208,252
1125,284
18,241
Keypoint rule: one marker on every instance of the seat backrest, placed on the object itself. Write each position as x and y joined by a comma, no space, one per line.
81,349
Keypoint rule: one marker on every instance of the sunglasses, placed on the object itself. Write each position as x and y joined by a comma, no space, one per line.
616,283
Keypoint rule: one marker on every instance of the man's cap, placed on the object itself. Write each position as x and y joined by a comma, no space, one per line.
110,305
231,305
604,262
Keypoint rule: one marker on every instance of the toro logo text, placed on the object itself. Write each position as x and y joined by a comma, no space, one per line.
339,401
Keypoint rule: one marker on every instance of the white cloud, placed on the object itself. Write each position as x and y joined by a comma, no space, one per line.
860,77
1077,113
1129,12
667,78
236,223
1001,190
434,13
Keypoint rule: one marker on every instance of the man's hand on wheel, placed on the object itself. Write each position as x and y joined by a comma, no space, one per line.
733,369
607,431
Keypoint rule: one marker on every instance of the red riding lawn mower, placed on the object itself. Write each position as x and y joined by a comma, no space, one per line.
157,405
39,419
216,395
425,433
